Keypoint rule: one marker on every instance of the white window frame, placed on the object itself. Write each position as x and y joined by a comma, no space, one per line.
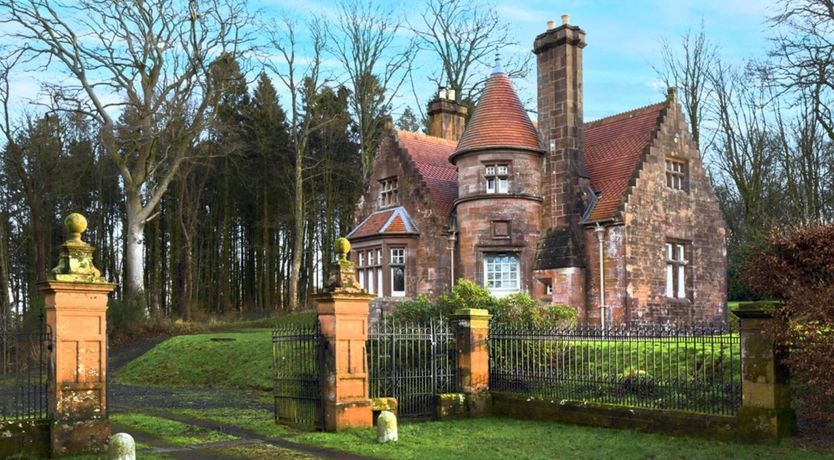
396,261
497,177
502,273
676,273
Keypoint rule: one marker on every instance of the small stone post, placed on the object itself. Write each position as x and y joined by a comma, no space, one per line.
75,298
471,332
122,447
343,309
765,413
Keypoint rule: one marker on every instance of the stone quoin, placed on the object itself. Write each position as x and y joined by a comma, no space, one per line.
615,217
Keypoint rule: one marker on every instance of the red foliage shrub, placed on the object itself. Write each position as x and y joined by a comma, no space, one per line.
798,269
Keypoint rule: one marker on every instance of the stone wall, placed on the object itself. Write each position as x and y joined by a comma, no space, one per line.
655,213
615,273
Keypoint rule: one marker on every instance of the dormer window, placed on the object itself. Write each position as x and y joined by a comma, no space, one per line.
676,177
388,192
497,178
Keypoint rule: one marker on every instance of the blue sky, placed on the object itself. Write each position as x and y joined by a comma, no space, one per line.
624,41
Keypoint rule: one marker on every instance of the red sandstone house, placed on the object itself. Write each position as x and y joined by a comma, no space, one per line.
615,217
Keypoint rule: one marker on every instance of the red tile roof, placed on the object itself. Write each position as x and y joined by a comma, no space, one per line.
431,157
387,221
499,120
614,147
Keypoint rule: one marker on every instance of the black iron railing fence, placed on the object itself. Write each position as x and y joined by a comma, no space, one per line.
412,362
24,374
297,354
680,368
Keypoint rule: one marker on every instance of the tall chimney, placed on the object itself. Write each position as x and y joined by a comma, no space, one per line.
559,58
565,183
447,117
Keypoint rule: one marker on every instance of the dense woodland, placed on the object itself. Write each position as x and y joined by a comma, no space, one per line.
207,193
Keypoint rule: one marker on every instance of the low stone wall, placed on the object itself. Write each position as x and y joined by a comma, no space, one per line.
25,439
649,420
462,405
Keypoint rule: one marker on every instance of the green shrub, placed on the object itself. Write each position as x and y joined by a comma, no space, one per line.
467,294
515,309
420,310
523,310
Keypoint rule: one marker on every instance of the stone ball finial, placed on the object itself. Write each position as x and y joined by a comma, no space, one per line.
76,224
342,247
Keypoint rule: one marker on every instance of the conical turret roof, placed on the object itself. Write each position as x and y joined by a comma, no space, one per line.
499,120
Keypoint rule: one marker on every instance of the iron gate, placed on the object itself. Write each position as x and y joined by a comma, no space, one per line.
296,358
412,362
25,357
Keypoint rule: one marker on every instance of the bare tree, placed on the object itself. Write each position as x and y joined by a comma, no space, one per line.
687,68
745,149
466,36
807,160
804,54
302,78
140,71
366,43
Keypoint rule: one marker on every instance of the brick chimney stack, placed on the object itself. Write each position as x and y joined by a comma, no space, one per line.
559,57
447,117
565,182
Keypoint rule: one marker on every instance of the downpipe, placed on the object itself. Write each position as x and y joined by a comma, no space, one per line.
600,231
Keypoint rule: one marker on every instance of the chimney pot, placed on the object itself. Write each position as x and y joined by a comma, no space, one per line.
551,25
565,19
451,95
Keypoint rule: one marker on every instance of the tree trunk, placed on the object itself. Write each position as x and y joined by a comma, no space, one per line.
5,304
298,234
135,253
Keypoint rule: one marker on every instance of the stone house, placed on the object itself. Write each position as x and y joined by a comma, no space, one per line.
615,217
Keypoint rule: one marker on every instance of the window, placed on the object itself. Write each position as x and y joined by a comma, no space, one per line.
676,270
676,174
388,192
397,264
501,273
369,271
497,178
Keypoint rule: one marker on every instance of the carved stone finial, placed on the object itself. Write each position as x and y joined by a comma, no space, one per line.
342,274
342,247
76,224
75,257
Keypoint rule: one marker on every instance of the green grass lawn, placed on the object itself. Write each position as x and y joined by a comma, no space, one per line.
500,438
170,432
257,421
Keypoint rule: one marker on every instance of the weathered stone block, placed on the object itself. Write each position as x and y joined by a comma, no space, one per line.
765,425
451,406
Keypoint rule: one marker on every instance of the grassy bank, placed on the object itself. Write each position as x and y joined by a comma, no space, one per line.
240,359
226,359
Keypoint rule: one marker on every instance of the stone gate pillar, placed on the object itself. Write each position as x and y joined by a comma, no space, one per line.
343,309
765,413
75,297
471,333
